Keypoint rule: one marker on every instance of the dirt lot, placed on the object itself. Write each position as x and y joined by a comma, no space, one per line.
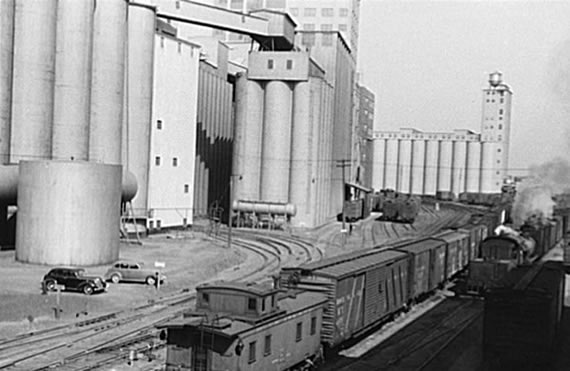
189,258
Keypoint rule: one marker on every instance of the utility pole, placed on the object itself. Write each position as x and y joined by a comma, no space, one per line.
230,212
343,164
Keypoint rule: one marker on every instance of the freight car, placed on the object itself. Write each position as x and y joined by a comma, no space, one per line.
313,307
522,317
401,208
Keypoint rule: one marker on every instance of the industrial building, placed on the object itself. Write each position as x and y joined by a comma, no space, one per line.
115,110
412,161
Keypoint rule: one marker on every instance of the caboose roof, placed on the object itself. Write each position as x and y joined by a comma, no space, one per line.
229,327
250,288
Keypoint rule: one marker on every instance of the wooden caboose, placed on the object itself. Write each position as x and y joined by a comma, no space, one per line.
239,326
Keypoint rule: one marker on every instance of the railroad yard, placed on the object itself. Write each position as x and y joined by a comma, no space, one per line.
116,330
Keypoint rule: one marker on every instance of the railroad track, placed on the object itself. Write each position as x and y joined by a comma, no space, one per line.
101,342
415,346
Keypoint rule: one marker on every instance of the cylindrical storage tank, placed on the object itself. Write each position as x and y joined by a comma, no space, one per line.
251,160
240,121
391,164
488,168
431,167
458,175
6,54
74,220
301,169
33,79
378,163
418,166
404,166
276,146
141,27
473,167
315,125
71,110
108,81
444,166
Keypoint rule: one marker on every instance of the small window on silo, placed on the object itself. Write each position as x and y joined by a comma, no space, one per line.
289,64
157,160
186,188
159,124
270,64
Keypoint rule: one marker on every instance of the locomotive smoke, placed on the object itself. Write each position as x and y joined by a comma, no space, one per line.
534,194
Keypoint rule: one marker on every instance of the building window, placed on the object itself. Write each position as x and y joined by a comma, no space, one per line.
206,297
270,64
251,303
310,12
272,301
289,64
299,335
158,224
309,27
501,111
327,39
267,350
313,325
151,225
263,305
186,188
326,27
184,222
498,150
175,161
157,160
502,100
251,352
342,27
500,126
343,12
327,12
294,11
159,124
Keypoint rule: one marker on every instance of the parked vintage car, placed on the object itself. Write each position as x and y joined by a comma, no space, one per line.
73,279
128,271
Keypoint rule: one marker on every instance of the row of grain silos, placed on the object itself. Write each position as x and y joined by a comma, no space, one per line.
279,115
434,165
63,95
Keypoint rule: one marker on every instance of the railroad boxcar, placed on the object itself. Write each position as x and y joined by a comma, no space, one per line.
362,292
522,317
445,195
477,233
426,268
238,326
457,251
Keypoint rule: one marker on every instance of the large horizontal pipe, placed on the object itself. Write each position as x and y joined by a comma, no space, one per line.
9,185
264,207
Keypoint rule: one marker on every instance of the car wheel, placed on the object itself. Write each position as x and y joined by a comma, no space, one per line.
50,285
115,278
87,290
151,281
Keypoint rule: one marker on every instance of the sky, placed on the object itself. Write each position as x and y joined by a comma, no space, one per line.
428,61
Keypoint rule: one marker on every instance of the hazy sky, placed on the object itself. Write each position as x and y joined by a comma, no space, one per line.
428,61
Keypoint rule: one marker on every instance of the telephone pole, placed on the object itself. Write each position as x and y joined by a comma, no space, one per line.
343,164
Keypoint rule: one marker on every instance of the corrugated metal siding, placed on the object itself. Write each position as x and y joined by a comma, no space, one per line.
375,305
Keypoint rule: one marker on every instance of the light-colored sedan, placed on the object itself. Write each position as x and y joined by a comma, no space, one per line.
127,271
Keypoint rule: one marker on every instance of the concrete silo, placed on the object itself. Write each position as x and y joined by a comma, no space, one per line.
391,172
431,167
444,166
33,79
459,167
488,168
404,166
301,159
276,146
80,207
379,164
251,160
473,175
107,82
418,167
6,51
72,79
140,61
